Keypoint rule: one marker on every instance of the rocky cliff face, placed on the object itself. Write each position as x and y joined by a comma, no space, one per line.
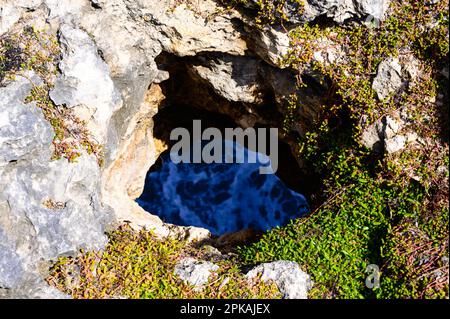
109,77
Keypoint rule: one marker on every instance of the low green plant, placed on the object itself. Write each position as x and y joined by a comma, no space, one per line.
139,265
71,135
269,12
29,49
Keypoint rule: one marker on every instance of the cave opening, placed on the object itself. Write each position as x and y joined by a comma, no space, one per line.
221,197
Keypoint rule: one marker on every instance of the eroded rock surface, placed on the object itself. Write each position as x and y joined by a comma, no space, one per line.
292,282
341,10
32,227
389,78
195,272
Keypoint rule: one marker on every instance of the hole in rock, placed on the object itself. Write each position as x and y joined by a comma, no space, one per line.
221,197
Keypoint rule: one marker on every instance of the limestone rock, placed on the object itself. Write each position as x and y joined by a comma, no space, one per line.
109,76
395,143
243,79
122,182
85,83
391,127
196,234
97,3
64,10
292,282
195,272
271,44
23,127
35,288
12,10
388,79
399,142
30,230
296,11
341,10
192,27
234,78
11,270
372,137
375,8
390,133
79,222
9,14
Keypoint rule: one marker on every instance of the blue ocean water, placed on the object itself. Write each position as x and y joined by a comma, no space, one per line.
223,197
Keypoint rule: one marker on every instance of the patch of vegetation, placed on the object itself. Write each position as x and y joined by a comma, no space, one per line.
138,265
349,231
385,209
29,49
364,48
270,12
36,50
267,12
10,58
71,134
275,11
416,266
195,7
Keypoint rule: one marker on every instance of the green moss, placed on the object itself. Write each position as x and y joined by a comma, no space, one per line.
138,265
